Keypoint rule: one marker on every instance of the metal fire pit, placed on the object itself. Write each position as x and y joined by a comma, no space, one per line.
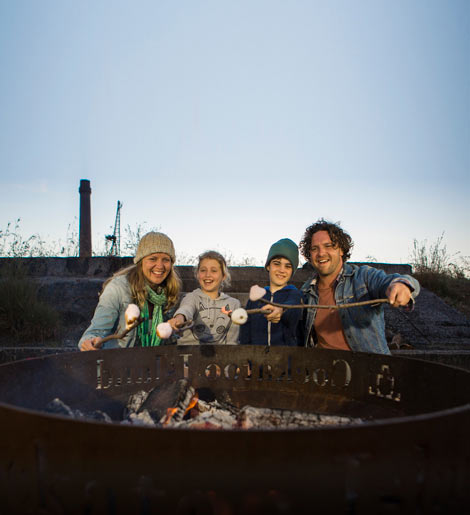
411,456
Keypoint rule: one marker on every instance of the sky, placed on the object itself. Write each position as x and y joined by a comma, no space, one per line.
230,125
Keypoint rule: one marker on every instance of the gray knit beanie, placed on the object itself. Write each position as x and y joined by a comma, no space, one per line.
154,242
285,248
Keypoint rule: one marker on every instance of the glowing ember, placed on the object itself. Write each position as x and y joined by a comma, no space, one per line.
193,403
169,415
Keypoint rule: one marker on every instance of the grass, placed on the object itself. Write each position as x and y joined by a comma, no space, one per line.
445,274
23,317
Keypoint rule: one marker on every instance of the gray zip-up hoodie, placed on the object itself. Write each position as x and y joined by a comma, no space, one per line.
211,326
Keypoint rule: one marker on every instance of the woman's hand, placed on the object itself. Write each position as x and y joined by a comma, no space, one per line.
92,344
176,322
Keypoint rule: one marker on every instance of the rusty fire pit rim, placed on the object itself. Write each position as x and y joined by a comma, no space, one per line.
355,354
367,424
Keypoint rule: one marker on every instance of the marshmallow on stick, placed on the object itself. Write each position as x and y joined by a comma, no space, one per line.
131,315
164,330
239,316
257,293
132,318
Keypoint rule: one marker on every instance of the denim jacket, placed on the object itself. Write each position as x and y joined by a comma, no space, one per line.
363,326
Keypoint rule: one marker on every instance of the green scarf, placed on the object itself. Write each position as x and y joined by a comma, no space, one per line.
147,330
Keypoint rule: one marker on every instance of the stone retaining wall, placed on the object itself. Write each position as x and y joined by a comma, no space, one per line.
107,266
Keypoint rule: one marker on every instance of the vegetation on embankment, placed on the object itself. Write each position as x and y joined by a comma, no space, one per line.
445,274
23,316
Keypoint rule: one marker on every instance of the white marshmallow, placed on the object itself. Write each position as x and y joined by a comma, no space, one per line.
164,330
131,315
239,316
256,293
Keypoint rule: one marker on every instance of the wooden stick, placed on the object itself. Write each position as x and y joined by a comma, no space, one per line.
118,336
318,306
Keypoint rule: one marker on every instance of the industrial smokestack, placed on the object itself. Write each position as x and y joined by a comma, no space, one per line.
85,219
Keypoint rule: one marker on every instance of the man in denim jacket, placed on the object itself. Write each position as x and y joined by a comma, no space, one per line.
327,247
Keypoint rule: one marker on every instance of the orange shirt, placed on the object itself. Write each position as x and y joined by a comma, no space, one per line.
328,324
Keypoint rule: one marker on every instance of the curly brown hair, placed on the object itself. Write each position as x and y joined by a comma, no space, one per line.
338,236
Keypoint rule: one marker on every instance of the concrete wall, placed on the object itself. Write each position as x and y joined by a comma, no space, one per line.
106,266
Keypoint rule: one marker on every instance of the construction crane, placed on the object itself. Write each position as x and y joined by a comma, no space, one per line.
115,238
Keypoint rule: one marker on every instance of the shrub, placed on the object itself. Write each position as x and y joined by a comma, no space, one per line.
444,274
22,315
435,259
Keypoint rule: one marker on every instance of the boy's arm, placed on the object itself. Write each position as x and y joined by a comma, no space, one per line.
291,317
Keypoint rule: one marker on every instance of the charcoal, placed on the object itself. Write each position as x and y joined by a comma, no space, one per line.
142,418
168,395
176,413
58,407
98,415
215,419
135,402
266,418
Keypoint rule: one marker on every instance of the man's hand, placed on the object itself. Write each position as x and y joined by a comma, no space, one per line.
398,294
92,344
273,313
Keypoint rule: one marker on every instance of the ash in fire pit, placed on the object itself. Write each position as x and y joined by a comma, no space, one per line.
177,404
58,407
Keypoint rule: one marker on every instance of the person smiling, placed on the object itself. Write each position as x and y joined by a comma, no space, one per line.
203,306
327,247
151,282
276,326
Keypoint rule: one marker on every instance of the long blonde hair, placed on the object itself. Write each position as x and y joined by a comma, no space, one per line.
137,282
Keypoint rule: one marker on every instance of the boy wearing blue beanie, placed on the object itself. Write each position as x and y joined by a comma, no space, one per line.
277,326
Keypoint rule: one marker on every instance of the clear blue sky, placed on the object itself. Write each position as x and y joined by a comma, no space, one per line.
230,125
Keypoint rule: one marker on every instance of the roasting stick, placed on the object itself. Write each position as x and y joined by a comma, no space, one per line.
118,336
240,316
257,293
319,306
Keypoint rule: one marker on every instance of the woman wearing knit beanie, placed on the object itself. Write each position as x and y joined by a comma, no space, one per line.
151,282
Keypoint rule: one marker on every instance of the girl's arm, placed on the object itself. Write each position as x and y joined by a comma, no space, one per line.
188,307
234,329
